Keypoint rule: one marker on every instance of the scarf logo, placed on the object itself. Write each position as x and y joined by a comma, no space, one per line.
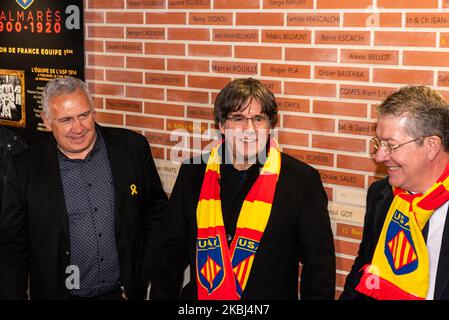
25,3
399,248
242,261
210,263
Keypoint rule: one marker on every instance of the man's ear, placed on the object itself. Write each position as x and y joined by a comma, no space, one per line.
433,145
46,120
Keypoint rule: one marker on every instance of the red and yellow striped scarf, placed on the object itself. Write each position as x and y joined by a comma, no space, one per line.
222,272
400,266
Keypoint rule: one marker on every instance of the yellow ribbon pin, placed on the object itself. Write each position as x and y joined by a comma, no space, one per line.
133,188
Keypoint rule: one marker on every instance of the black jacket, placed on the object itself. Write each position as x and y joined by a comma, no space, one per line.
379,198
34,236
298,230
10,144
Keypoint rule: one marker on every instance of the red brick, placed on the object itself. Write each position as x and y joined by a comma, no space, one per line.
210,18
357,127
165,18
106,4
109,118
105,32
145,63
200,113
236,4
349,231
372,179
360,164
313,19
124,17
144,122
342,178
338,143
402,38
342,37
124,76
207,82
165,109
141,4
310,89
188,34
145,33
105,60
188,65
260,19
340,108
93,45
187,96
145,93
444,39
342,73
203,50
106,89
124,105
161,138
443,79
93,17
245,68
290,104
188,4
273,85
293,138
421,77
343,4
426,58
308,123
231,35
285,70
165,79
286,36
123,47
364,92
427,19
284,4
94,74
175,49
311,54
407,4
189,126
370,20
311,157
370,56
346,247
258,52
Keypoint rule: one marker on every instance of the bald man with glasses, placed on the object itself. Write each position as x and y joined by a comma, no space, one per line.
404,253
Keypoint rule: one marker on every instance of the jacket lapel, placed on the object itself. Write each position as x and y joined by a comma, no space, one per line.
443,264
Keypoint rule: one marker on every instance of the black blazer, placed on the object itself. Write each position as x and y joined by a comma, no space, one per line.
298,230
34,236
379,198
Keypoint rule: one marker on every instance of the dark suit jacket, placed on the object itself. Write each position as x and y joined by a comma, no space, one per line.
380,196
34,237
298,230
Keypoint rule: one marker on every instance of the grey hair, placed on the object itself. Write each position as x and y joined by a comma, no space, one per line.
426,111
60,86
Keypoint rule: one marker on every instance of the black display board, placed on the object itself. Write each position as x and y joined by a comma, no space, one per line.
39,40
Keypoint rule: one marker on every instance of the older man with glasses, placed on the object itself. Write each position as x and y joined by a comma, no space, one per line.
404,253
247,214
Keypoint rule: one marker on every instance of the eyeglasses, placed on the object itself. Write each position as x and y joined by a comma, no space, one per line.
389,148
240,120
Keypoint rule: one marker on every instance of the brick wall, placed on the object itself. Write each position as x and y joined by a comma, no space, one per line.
155,66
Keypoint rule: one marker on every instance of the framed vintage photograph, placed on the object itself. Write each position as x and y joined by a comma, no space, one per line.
12,98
